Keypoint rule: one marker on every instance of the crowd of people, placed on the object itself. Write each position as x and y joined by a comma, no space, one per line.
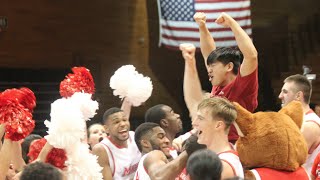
153,150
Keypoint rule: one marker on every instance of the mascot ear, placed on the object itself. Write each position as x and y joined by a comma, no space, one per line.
295,111
244,119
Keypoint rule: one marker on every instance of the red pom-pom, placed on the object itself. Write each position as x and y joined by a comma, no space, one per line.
22,96
18,120
80,81
16,106
28,100
56,156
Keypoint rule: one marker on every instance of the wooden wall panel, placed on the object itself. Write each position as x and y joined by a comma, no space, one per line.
104,35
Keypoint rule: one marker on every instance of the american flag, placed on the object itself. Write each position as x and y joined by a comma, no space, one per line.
178,26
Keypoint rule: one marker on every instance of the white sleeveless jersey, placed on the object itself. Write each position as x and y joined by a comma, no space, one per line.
311,117
231,157
123,161
141,173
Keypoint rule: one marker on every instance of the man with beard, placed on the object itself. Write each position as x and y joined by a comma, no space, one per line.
155,146
168,120
118,154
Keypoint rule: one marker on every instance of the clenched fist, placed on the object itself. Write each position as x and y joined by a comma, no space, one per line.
225,20
188,51
200,18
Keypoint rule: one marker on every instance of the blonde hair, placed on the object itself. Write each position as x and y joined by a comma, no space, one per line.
221,108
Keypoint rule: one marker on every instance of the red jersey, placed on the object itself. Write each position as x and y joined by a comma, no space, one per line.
271,174
243,90
316,167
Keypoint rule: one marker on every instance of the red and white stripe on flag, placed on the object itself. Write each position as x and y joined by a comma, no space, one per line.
178,26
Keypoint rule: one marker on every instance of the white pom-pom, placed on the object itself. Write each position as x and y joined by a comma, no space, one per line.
81,164
140,90
128,83
120,81
67,125
87,106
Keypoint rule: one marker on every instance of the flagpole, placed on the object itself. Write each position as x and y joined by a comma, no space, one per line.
160,29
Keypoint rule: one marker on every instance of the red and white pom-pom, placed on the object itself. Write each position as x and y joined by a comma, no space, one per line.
140,90
22,96
67,125
127,82
120,81
87,106
80,81
81,164
56,157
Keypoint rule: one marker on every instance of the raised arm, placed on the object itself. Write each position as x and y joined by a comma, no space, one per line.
44,152
6,157
1,133
159,168
250,54
17,160
126,107
103,160
207,44
192,90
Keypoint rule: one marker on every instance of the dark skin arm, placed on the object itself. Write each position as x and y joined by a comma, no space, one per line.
103,160
126,107
158,167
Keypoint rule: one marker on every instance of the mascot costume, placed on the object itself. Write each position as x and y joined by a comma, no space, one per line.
271,145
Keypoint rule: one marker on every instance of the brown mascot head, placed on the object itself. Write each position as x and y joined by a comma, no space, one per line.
271,139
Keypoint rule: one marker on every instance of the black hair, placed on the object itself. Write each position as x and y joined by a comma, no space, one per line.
204,164
142,130
41,171
155,114
313,106
109,112
226,55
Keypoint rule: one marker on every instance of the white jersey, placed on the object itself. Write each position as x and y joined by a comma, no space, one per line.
141,173
231,157
173,152
311,117
123,161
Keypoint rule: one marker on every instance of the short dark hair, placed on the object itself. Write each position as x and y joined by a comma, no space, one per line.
303,84
226,55
25,145
109,112
313,106
142,130
204,164
155,114
41,171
